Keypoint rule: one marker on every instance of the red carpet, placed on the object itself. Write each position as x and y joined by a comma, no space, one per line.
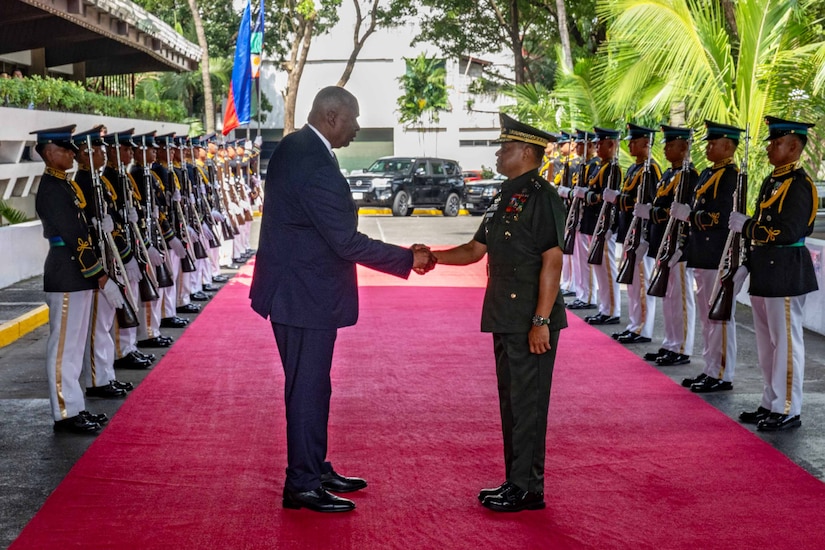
195,457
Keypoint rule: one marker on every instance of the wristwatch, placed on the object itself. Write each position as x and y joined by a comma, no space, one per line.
538,321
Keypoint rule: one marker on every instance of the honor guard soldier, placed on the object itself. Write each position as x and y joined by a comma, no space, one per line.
568,165
607,145
708,212
98,361
128,199
71,274
641,306
584,277
781,274
678,306
521,234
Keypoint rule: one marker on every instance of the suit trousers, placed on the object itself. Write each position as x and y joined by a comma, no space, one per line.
641,306
99,356
524,381
718,337
306,355
609,297
584,278
679,310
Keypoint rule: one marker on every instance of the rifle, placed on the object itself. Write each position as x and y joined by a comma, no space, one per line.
607,215
109,255
205,207
187,263
723,296
191,212
675,233
148,284
637,227
571,226
163,272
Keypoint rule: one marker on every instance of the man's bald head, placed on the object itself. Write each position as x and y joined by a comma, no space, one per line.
334,114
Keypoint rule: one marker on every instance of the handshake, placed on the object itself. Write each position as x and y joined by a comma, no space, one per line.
423,259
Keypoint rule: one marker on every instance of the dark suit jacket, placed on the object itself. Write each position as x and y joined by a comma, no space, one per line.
309,243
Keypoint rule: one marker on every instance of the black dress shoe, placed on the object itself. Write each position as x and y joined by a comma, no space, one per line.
126,386
493,491
101,418
173,322
232,266
210,288
778,421
76,425
514,499
145,356
336,483
602,319
199,296
754,417
633,338
578,304
688,382
156,342
219,278
108,391
711,384
318,500
653,355
617,335
188,308
567,293
240,260
672,358
131,361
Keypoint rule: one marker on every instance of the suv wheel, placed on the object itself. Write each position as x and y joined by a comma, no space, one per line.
452,206
401,204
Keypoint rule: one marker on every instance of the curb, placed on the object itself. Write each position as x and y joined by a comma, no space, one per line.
16,328
366,211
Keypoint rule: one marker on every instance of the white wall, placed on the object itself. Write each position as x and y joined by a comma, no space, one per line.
24,251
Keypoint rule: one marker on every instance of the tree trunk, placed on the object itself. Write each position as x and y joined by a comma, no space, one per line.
208,99
515,37
564,35
294,69
358,41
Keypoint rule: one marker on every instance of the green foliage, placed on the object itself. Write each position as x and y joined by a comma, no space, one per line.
12,215
54,94
425,90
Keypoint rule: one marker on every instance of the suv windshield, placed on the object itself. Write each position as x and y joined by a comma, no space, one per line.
390,165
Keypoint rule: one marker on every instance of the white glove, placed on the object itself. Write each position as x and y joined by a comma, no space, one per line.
107,224
739,277
642,210
176,195
193,235
680,211
112,294
675,259
132,215
218,217
258,141
641,250
207,233
234,209
191,198
579,192
245,205
177,247
564,191
133,270
156,213
610,195
736,221
202,189
155,257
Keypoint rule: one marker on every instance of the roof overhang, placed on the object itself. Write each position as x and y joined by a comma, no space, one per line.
109,36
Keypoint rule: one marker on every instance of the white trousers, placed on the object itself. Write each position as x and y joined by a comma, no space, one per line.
584,279
566,273
69,314
610,303
99,357
719,337
169,295
679,310
641,306
781,351
125,339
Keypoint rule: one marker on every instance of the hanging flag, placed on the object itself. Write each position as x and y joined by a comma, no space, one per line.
238,104
256,43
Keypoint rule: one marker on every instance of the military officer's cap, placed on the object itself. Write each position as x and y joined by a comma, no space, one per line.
634,131
180,140
581,135
145,140
165,139
93,136
210,138
120,138
513,130
566,136
673,133
778,127
716,131
197,141
603,134
62,137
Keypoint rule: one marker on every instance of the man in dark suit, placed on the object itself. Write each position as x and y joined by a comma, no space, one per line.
305,283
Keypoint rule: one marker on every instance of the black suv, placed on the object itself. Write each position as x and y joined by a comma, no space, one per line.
405,183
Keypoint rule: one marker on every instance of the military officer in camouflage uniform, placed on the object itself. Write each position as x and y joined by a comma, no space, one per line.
521,234
782,273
